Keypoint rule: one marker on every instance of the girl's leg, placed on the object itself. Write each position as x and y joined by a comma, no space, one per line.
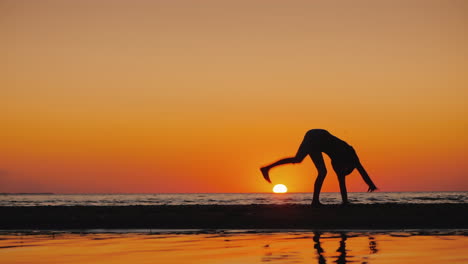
300,155
344,192
317,158
342,169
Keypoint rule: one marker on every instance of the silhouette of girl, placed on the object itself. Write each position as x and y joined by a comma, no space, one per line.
343,158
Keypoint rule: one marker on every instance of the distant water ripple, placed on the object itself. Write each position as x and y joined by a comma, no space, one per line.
225,198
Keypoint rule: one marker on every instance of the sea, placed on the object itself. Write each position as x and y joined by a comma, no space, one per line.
232,246
226,198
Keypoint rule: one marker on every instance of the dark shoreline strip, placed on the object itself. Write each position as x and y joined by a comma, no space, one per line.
363,216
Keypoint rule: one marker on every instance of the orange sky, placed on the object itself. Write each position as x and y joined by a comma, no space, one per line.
195,96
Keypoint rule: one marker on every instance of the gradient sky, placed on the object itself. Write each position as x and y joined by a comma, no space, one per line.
194,96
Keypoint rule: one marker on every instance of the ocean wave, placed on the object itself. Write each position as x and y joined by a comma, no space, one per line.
226,199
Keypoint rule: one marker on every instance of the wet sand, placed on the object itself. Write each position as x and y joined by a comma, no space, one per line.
361,216
233,247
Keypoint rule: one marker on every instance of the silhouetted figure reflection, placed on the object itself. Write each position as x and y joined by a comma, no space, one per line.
342,249
372,248
341,259
318,247
372,245
344,161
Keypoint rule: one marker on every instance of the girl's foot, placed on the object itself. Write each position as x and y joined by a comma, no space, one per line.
264,171
316,204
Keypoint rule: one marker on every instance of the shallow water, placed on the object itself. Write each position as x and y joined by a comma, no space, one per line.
235,247
227,198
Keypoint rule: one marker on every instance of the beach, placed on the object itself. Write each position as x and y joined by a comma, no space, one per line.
360,216
233,247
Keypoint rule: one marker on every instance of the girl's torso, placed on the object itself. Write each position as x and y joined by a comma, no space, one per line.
321,140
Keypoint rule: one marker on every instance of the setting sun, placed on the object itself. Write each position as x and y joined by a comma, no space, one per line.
280,188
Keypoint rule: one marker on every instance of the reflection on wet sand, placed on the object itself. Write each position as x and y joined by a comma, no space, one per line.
224,246
342,257
372,245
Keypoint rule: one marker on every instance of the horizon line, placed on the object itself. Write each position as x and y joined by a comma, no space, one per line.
142,193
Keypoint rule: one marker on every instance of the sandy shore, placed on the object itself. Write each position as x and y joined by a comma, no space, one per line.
374,216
